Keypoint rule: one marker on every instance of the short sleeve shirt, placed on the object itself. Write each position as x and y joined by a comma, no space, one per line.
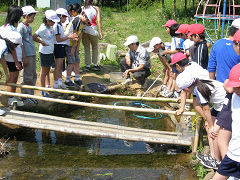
28,44
217,97
58,30
141,56
47,36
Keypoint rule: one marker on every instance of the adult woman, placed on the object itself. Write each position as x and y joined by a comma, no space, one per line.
90,35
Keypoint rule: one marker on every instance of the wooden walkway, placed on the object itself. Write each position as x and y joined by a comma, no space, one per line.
41,121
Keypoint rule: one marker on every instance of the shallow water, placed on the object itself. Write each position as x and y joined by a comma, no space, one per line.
52,155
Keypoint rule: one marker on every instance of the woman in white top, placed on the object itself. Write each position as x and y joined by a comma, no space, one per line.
90,35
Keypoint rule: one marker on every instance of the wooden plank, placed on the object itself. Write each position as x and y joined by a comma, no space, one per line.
100,106
108,96
39,121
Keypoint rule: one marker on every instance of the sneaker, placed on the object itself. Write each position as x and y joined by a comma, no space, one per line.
56,86
212,164
78,82
167,94
62,86
34,101
13,99
29,100
187,106
96,68
44,94
2,112
202,157
87,68
70,84
144,85
176,94
128,80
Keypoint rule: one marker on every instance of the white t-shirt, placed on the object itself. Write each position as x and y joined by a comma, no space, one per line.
8,56
3,48
187,44
234,144
47,36
58,30
217,97
196,71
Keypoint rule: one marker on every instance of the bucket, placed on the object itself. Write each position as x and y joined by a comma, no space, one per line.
116,77
111,52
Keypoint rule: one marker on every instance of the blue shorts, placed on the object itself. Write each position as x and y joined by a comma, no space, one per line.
229,167
224,117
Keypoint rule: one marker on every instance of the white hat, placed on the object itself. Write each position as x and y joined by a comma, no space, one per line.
14,36
236,23
62,11
28,10
52,15
89,14
131,39
154,41
184,80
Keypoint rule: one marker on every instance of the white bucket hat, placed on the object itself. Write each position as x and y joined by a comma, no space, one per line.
236,23
89,14
154,41
14,36
52,15
131,39
62,11
28,10
184,80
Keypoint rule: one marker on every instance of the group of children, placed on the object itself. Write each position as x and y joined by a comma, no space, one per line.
189,70
58,36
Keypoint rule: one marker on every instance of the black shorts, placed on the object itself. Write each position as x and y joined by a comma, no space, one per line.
229,167
12,67
59,51
224,117
46,59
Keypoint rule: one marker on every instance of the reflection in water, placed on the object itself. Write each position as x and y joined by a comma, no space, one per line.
53,155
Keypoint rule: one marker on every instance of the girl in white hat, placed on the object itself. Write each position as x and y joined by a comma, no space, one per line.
44,35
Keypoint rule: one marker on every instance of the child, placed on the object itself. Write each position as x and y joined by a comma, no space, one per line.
171,27
59,47
186,43
231,162
207,91
28,74
8,44
46,47
201,50
15,58
156,46
90,36
72,47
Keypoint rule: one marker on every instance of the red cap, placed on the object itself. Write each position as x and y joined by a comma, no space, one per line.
196,29
183,28
236,36
178,57
234,76
169,23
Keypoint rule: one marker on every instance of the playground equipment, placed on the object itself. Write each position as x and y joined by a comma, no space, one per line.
218,22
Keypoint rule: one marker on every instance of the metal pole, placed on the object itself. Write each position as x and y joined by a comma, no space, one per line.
224,15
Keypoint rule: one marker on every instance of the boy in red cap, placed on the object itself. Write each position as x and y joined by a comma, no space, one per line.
236,42
201,49
231,162
186,43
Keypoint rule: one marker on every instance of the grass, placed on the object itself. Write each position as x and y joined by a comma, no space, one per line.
117,26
